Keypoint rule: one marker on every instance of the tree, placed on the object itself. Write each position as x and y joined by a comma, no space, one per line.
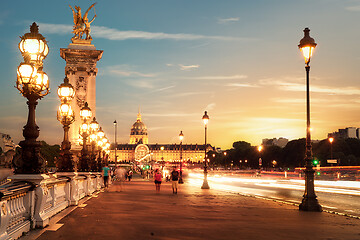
50,152
271,153
294,153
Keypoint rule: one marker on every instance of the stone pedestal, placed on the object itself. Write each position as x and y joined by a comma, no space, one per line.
81,60
72,191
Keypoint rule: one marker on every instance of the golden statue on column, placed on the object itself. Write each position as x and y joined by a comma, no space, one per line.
82,25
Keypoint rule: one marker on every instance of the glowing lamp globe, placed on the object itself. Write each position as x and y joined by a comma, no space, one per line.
26,73
94,125
33,45
181,136
307,45
84,128
101,133
85,112
205,118
66,91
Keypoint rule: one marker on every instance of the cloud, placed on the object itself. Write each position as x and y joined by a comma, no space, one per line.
162,89
275,120
230,77
118,35
186,94
140,84
125,70
170,114
228,20
301,87
130,73
188,67
210,107
55,28
241,85
353,8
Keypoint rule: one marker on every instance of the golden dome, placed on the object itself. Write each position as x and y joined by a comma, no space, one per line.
138,128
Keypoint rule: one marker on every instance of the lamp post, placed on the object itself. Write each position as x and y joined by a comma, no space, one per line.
260,148
85,114
65,116
94,128
181,137
162,152
309,201
205,185
33,84
331,139
101,143
115,128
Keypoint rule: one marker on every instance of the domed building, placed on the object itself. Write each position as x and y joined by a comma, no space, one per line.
138,133
139,148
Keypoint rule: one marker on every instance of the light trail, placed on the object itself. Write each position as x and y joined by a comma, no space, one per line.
223,183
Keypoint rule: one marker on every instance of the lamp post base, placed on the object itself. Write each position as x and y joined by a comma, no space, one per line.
30,161
309,201
205,183
310,204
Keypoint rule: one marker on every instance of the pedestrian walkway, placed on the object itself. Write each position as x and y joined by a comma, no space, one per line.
138,212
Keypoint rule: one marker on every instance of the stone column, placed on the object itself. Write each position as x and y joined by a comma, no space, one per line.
81,60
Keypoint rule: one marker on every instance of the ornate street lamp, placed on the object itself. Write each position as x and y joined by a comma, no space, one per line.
85,114
331,139
101,144
260,148
66,91
205,185
309,201
94,128
65,116
115,126
181,137
162,152
34,46
33,84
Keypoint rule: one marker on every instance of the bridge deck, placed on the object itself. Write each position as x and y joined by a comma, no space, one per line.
139,213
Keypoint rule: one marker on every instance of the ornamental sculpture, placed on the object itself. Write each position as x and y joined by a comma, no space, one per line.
82,25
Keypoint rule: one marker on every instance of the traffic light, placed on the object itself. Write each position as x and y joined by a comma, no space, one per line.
315,162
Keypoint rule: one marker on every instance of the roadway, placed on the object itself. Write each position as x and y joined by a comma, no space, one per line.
342,197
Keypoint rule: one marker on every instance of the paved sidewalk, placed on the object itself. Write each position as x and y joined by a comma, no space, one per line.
139,213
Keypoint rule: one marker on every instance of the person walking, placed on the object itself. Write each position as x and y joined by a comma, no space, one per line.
119,179
130,175
105,173
174,180
157,178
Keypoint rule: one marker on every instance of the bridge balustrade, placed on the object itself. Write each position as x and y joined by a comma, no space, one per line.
27,204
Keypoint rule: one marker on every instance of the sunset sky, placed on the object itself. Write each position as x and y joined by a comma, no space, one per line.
175,59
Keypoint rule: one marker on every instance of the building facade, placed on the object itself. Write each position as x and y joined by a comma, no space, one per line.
349,132
281,142
139,149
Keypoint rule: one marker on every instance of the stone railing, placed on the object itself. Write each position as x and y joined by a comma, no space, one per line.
29,201
17,204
